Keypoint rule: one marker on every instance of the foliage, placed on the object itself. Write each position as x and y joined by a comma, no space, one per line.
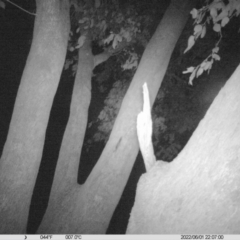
176,113
166,132
216,13
109,24
114,29
107,116
132,61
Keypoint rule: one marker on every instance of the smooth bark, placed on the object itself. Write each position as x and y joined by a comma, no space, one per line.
22,152
65,179
199,192
89,208
106,182
66,174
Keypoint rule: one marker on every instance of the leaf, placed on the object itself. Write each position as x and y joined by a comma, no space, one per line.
206,65
199,72
126,35
109,38
222,15
203,64
213,13
199,17
194,13
216,57
192,76
2,4
189,70
197,29
203,31
217,27
116,40
215,50
217,4
132,62
191,42
67,64
81,41
225,21
210,65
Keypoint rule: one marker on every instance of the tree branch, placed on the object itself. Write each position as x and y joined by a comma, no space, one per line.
14,4
100,58
144,131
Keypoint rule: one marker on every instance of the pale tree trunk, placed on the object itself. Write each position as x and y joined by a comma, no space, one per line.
106,182
66,174
89,208
199,192
23,148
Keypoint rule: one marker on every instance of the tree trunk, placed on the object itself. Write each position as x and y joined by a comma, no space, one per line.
65,187
89,208
23,148
199,192
106,182
66,174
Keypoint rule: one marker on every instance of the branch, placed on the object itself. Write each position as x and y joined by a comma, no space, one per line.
14,4
144,131
108,52
100,58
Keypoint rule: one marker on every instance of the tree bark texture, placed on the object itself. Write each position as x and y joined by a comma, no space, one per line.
199,192
66,174
106,182
23,148
89,208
